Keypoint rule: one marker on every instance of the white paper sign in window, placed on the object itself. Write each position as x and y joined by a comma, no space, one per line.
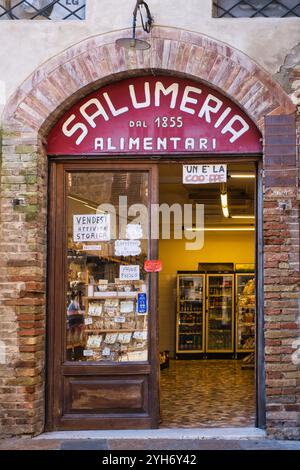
91,227
127,247
204,174
130,273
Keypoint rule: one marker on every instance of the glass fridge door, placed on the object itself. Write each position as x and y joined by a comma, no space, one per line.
190,305
245,313
220,313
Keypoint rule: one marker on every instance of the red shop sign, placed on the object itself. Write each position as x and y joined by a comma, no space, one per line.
154,115
152,265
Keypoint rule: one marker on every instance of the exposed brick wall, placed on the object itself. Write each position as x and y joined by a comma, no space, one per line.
281,276
29,115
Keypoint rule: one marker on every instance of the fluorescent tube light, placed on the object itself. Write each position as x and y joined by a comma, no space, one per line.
224,204
242,175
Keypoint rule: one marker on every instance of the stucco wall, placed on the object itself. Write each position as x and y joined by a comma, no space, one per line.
24,45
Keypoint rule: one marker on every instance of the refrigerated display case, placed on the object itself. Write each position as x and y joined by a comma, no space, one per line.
245,312
220,313
190,313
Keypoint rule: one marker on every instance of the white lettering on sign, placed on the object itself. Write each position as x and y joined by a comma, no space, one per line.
204,174
154,143
209,109
91,227
130,273
127,247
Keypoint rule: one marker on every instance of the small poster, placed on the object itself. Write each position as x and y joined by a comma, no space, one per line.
127,247
204,174
142,307
130,272
152,265
91,227
134,231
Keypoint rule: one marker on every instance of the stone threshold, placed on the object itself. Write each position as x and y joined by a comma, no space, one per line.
174,433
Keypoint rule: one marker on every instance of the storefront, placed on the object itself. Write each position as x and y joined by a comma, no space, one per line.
117,146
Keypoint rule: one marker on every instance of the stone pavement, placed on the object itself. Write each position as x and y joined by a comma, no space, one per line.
152,439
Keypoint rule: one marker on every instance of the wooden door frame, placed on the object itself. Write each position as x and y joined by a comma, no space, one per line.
143,163
57,366
260,380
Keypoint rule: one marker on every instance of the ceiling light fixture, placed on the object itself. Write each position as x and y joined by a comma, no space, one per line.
243,175
224,202
133,43
243,217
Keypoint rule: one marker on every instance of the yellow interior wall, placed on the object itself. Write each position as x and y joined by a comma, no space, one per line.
234,247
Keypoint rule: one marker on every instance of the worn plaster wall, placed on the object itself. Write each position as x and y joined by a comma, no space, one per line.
25,45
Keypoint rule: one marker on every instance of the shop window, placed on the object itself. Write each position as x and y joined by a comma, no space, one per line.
256,8
107,287
42,9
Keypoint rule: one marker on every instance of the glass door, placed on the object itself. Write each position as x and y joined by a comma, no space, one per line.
104,365
219,322
190,309
245,312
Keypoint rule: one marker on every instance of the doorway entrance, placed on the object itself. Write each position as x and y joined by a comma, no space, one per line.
103,305
207,302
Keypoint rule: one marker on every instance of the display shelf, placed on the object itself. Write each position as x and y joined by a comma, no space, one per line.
219,335
190,306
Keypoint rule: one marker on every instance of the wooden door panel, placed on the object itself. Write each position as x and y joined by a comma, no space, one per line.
107,395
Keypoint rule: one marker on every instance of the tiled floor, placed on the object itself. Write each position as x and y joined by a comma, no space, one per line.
207,393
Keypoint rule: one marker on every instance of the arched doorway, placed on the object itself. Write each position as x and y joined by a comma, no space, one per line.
58,84
104,323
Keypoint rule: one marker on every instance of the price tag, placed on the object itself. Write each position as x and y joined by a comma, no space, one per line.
119,319
88,321
88,352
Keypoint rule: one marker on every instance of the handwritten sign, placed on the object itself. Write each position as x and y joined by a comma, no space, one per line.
204,174
91,227
152,265
130,273
127,247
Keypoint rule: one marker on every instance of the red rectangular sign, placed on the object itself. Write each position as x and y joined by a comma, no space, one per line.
152,265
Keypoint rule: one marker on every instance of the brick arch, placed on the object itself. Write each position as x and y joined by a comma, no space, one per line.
96,61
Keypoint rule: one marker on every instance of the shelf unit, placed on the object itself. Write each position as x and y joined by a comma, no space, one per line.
190,334
220,316
245,312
